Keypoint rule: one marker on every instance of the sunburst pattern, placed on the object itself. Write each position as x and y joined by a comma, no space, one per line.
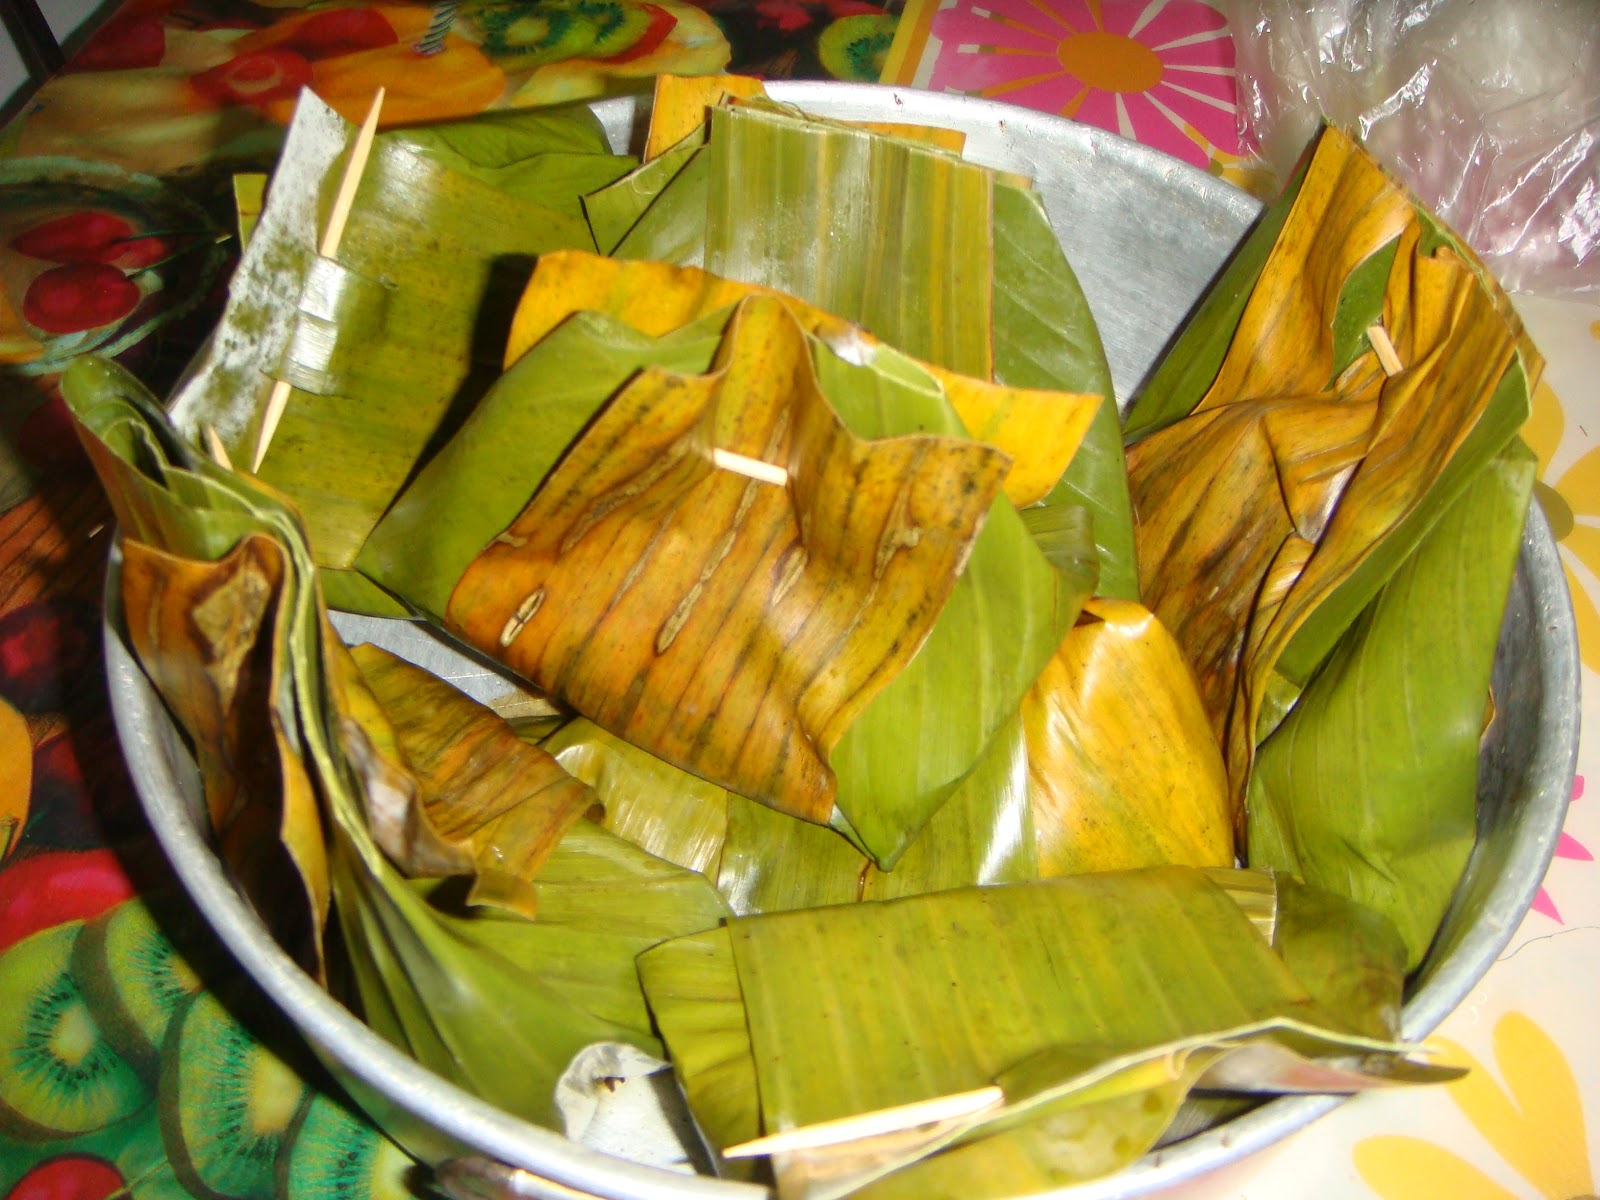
1157,71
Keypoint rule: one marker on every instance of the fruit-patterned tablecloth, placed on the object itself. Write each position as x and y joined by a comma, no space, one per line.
116,236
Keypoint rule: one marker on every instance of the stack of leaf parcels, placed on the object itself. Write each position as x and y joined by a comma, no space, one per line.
902,755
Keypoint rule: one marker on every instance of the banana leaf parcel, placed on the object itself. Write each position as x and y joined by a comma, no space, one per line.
464,987
1368,378
1025,998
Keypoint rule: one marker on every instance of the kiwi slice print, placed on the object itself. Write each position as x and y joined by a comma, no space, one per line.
59,1074
133,980
334,1154
855,47
226,1103
536,32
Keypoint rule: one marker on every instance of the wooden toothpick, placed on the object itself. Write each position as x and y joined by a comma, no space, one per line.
752,468
1378,336
219,452
342,202
872,1124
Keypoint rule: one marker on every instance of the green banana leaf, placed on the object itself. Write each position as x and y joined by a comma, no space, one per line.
613,211
981,996
658,807
1045,336
836,226
463,993
1351,958
983,834
386,346
551,157
1369,786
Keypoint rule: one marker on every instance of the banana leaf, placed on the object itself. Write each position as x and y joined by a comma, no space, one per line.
1123,769
1351,958
463,993
1040,429
1043,335
1369,786
663,810
206,630
1342,469
549,157
460,496
385,346
646,447
478,482
981,996
474,798
981,835
847,239
614,210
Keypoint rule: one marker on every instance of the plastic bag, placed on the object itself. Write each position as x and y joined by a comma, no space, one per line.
1488,109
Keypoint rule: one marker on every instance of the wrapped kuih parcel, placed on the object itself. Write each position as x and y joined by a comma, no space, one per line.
902,728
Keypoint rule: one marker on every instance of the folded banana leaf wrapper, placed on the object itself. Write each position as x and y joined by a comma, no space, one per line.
962,721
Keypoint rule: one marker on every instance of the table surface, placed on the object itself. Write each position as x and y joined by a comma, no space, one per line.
165,148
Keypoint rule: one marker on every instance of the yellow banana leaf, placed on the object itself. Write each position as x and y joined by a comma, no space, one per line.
1123,769
1039,429
498,802
1273,513
574,594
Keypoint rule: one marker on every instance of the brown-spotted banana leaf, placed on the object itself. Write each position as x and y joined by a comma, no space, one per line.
1368,788
493,804
983,993
451,988
1039,428
384,346
692,610
201,600
1004,569
1123,768
205,632
1273,513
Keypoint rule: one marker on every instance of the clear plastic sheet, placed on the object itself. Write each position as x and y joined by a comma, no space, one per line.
1488,109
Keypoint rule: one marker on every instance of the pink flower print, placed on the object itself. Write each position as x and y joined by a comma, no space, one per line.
1157,71
1567,847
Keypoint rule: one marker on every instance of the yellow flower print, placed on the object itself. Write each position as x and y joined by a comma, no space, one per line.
1572,506
1535,1123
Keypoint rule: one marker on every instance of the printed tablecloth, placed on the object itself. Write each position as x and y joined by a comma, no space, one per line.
134,149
